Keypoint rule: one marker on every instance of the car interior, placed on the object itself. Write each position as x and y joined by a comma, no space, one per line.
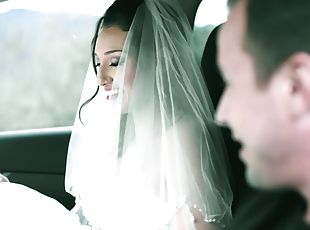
37,157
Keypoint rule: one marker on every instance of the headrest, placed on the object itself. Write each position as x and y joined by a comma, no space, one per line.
210,68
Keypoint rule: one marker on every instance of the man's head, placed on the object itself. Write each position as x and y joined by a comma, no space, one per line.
264,54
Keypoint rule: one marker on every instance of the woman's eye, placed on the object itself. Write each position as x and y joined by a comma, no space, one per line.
114,62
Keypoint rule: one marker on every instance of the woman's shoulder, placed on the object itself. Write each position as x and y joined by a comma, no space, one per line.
186,128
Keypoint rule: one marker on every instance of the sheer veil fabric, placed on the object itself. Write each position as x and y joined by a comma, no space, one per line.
149,147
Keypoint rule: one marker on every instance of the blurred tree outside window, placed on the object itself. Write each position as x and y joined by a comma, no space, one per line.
44,58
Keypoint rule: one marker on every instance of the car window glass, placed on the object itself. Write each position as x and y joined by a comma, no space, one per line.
45,53
210,14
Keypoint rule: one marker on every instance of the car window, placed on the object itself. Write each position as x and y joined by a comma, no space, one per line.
210,14
45,53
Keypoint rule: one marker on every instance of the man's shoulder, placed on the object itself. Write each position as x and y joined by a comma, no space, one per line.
283,210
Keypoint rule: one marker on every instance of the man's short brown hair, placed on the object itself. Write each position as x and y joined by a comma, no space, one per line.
275,29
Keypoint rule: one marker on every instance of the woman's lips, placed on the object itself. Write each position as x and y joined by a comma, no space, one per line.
107,87
110,93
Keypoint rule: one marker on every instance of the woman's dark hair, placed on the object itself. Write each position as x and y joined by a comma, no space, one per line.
121,14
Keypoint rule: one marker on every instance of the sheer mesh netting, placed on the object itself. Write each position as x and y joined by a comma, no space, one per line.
149,147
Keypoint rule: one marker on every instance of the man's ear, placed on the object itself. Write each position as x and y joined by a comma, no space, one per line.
298,67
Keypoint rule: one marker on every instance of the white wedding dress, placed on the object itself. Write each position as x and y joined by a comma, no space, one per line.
23,208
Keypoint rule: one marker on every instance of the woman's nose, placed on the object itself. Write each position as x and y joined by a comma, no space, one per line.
103,76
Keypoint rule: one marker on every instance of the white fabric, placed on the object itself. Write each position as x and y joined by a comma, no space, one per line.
3,178
152,148
22,208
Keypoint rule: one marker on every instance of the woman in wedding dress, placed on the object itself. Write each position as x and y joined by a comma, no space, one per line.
145,152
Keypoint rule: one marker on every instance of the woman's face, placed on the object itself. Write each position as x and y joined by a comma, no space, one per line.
108,51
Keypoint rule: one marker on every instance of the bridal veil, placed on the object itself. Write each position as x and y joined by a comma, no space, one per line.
150,147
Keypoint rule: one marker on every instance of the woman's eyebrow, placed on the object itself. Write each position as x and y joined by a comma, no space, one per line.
112,51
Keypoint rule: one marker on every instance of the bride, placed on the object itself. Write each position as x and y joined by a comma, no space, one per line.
144,151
